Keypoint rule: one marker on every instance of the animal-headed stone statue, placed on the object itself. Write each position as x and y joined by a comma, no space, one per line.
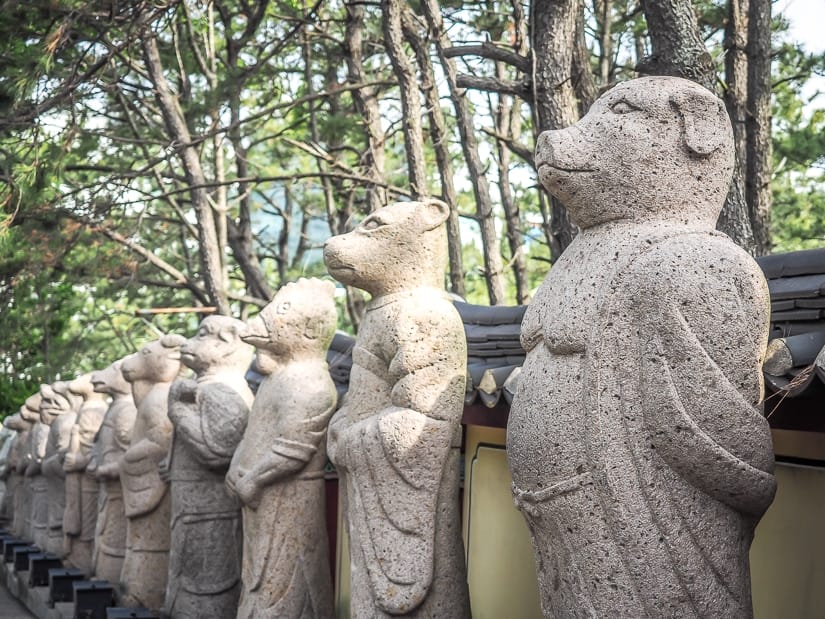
640,457
7,438
80,516
278,468
209,415
35,501
145,495
58,411
18,461
14,481
395,441
111,443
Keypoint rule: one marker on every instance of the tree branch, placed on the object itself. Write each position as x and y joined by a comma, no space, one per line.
519,88
492,52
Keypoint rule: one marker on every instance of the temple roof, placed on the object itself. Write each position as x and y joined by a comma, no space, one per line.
795,365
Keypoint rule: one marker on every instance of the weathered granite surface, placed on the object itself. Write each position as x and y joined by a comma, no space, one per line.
80,515
14,481
209,415
111,443
278,468
34,504
145,495
7,438
395,441
58,412
639,453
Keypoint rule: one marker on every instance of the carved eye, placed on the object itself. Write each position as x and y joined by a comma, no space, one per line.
283,308
371,223
623,107
145,351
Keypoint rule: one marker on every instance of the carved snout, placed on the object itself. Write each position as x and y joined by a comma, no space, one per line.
254,331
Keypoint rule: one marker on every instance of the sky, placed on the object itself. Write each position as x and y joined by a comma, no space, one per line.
807,18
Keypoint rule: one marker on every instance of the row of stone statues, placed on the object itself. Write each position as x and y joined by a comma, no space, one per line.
204,501
640,490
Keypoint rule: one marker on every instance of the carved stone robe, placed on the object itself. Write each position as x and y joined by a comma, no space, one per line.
286,557
205,557
110,534
640,457
395,442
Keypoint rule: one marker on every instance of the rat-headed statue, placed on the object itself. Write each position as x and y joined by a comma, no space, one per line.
395,441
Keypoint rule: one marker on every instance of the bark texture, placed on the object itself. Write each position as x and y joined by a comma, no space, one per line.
553,27
173,117
758,123
481,190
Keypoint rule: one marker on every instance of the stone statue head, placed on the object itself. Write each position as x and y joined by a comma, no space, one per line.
156,362
398,247
217,345
75,400
110,380
82,386
17,423
301,317
30,411
653,148
54,401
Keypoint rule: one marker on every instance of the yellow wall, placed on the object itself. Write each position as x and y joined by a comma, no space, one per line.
788,552
501,570
787,557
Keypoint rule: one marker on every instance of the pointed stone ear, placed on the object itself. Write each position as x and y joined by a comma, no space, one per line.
705,123
172,340
229,333
433,213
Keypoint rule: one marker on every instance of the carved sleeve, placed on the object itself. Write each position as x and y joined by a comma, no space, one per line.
213,424
400,459
700,374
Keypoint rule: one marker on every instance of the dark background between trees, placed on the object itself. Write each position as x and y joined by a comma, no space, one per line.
167,154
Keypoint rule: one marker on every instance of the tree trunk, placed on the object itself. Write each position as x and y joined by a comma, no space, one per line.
553,28
603,10
678,49
735,219
175,122
410,96
584,85
504,126
481,190
366,102
758,125
440,140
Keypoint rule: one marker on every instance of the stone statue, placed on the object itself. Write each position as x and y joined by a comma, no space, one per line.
145,495
111,443
396,439
59,411
640,457
50,439
209,415
33,484
14,470
17,467
80,516
7,438
278,468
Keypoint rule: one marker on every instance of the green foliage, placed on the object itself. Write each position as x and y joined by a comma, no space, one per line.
798,215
